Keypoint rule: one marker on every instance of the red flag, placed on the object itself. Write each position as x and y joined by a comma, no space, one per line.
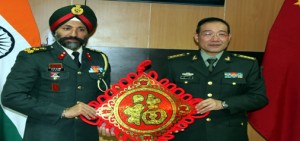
279,121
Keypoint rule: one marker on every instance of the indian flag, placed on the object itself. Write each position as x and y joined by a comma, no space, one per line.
18,31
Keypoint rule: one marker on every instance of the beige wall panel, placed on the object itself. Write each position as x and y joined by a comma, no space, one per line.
121,24
173,26
251,21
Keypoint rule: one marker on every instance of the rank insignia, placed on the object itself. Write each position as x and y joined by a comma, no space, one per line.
178,55
233,75
187,75
195,57
95,69
62,55
55,67
35,49
244,56
89,57
227,58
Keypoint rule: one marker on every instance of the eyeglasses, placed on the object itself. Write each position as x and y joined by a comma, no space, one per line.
210,34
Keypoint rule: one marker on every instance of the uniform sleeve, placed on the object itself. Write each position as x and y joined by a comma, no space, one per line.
18,91
254,96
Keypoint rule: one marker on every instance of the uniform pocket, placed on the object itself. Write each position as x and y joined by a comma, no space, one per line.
234,81
237,122
95,75
55,82
233,86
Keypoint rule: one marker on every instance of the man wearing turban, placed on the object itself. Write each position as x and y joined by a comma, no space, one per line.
53,84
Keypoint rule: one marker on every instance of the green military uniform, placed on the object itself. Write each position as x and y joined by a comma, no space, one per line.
44,81
236,79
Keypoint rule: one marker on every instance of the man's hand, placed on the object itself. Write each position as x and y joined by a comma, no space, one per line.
80,109
106,131
208,105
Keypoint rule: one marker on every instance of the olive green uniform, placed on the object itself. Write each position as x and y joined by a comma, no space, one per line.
236,79
44,81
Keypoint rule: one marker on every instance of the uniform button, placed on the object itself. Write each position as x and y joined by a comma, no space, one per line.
209,82
79,87
76,118
55,78
186,82
209,94
208,119
233,83
79,73
242,123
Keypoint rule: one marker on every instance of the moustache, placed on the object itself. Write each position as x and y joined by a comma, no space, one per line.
71,38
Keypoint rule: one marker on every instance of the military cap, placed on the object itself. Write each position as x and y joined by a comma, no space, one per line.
82,12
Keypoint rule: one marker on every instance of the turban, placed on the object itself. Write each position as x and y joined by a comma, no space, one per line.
82,12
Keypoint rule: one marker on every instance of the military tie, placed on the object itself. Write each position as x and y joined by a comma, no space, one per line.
76,58
211,62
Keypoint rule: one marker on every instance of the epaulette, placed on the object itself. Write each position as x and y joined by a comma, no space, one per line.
35,49
244,56
178,55
93,50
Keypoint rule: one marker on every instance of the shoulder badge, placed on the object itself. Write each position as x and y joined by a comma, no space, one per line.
35,49
178,55
244,56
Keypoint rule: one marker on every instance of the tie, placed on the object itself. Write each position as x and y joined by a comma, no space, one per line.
211,62
76,58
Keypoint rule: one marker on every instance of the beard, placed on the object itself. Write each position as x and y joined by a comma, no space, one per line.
70,45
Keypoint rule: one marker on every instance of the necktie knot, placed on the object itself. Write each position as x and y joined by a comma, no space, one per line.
211,62
76,58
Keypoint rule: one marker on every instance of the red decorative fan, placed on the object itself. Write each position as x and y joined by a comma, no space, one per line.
141,108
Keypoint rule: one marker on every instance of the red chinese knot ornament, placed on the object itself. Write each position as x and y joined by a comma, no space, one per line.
141,108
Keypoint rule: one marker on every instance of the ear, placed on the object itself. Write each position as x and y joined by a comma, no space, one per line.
229,37
196,37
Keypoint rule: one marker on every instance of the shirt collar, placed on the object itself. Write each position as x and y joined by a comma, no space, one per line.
205,56
69,51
